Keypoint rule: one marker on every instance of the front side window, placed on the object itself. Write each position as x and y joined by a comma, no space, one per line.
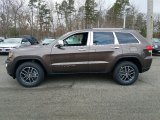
79,39
125,38
103,38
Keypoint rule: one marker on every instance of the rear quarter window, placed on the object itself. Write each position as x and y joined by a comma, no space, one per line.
126,38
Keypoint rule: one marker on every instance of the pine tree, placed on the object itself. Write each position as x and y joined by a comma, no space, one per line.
66,8
115,13
90,13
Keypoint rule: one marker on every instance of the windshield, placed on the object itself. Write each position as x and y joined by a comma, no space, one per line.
13,40
63,36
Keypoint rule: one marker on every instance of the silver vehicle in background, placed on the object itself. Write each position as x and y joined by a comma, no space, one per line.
12,43
47,41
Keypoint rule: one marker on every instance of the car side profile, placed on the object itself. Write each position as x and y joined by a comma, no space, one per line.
124,53
12,43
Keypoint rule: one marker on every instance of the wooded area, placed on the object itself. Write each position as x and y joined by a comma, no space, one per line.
53,18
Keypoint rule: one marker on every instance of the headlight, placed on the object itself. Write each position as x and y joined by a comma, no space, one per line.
10,54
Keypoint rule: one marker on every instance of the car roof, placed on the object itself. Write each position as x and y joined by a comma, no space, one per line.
106,29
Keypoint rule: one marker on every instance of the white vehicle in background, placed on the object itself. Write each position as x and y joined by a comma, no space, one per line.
12,43
47,41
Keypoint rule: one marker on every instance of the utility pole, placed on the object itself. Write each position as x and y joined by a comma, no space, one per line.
124,15
149,20
124,19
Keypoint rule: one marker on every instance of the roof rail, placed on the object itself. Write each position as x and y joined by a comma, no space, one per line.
108,28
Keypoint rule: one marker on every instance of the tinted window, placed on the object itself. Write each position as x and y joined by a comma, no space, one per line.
124,38
25,40
79,39
103,38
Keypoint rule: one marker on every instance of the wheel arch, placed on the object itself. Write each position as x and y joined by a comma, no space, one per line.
134,60
35,60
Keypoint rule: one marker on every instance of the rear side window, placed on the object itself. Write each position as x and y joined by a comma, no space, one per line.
103,38
125,38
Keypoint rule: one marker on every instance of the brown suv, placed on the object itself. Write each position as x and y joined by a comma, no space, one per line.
125,53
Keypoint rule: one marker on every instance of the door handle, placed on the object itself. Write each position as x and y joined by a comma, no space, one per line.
115,47
82,49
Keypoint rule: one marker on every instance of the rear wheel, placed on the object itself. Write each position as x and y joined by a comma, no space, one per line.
125,73
30,74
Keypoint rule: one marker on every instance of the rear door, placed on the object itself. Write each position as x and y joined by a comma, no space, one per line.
104,48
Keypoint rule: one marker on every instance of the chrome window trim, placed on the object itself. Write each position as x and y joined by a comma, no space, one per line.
115,39
91,38
79,63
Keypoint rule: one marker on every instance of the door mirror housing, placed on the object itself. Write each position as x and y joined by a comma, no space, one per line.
60,44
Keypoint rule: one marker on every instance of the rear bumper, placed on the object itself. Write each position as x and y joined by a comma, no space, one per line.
147,64
145,69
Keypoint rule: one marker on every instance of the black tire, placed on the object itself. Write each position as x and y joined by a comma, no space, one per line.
30,74
125,73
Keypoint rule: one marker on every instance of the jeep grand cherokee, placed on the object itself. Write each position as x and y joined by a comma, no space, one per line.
125,53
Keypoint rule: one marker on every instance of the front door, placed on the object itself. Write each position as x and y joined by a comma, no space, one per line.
73,56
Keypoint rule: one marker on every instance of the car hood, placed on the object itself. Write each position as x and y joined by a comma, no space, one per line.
38,50
10,44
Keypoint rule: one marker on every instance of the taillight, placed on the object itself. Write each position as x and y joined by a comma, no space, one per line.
149,47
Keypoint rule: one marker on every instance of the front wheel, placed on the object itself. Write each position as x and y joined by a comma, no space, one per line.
30,74
125,73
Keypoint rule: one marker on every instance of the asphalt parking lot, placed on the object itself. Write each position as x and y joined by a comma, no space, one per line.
81,97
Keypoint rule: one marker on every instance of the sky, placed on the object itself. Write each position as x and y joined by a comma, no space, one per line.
141,5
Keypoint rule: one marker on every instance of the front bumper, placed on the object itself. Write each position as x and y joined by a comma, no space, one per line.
5,50
10,68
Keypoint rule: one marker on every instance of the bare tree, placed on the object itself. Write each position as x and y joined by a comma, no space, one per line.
16,5
51,18
5,15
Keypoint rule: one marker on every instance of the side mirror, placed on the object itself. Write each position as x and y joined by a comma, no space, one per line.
60,44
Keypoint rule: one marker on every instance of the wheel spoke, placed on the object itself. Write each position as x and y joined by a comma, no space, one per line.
130,76
123,77
24,71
